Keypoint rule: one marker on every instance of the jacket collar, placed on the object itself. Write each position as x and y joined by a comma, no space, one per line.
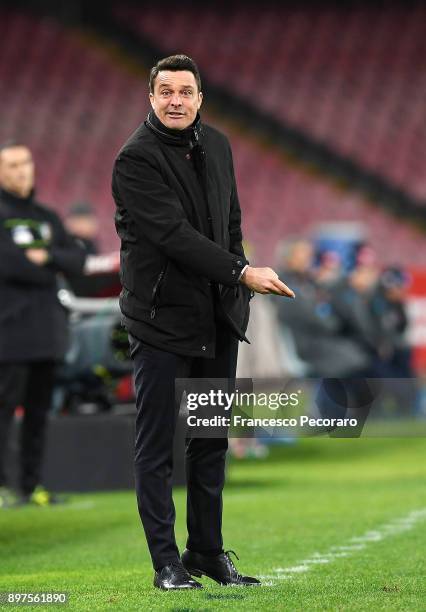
190,136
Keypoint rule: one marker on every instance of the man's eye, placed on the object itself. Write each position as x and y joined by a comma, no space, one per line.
165,92
187,92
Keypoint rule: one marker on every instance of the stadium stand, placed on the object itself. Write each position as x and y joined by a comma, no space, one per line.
76,131
64,97
353,79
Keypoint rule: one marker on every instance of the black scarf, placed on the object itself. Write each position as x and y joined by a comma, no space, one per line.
191,137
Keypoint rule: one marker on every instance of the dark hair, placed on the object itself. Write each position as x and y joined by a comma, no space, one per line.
80,209
174,63
11,144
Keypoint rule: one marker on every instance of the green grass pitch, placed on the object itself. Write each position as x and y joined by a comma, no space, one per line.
303,502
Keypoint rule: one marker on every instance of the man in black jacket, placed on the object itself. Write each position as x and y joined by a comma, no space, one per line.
186,288
34,248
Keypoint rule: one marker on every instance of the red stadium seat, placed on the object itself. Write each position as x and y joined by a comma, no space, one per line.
63,95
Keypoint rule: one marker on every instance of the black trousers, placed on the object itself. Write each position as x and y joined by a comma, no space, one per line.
157,412
30,385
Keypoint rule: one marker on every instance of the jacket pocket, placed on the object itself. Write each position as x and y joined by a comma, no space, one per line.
155,300
236,309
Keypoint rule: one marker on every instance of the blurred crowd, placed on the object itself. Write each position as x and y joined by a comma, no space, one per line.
349,319
348,323
345,322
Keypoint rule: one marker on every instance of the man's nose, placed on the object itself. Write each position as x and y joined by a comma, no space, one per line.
176,100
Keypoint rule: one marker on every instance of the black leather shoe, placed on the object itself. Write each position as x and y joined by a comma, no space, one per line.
219,568
174,576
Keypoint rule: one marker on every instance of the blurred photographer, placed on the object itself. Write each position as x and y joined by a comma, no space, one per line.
82,223
34,248
389,306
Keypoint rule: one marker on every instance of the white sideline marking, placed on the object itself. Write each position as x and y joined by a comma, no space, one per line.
395,526
332,555
370,536
348,548
274,577
296,569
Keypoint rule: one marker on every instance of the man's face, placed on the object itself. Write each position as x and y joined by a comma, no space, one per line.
17,171
364,277
301,256
176,98
83,226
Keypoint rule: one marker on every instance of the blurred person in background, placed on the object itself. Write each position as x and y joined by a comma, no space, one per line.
308,325
329,269
296,257
357,343
34,248
334,331
82,223
352,300
390,306
394,362
332,323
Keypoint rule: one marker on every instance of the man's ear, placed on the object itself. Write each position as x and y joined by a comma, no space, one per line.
151,99
200,99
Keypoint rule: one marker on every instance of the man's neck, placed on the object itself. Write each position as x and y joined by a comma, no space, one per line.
15,196
157,121
173,136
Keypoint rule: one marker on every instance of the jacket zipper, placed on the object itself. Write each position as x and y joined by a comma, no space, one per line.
155,291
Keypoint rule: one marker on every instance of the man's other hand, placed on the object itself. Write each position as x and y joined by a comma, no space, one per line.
37,256
265,280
